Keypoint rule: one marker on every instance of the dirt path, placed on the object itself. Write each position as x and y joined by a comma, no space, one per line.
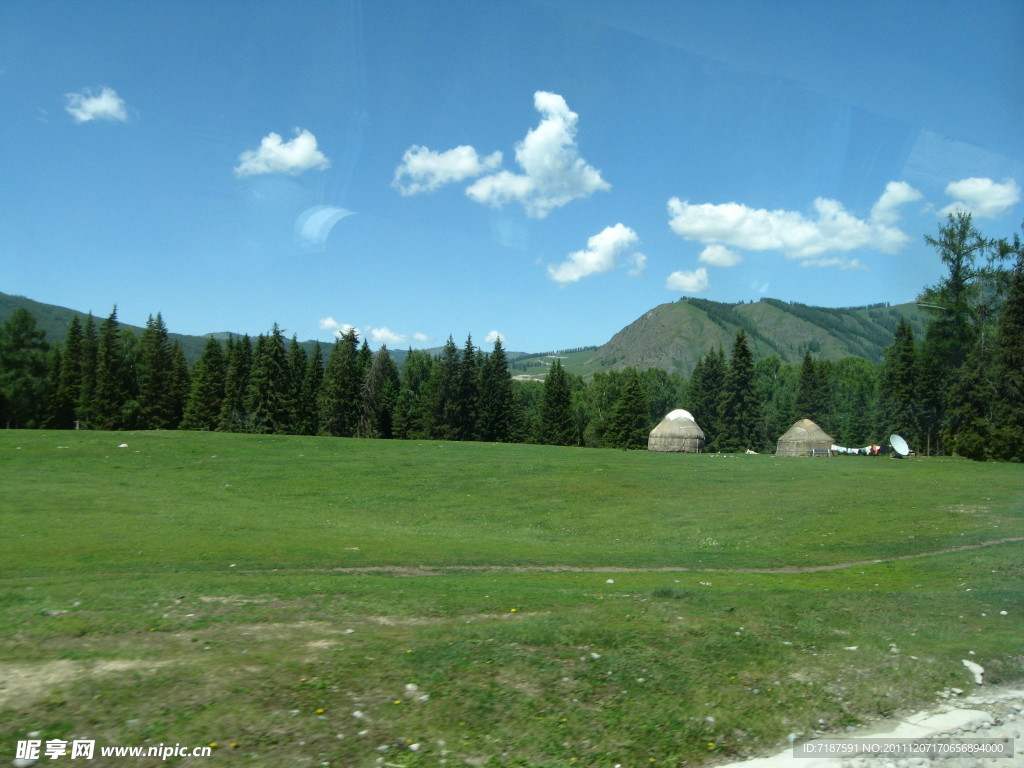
437,570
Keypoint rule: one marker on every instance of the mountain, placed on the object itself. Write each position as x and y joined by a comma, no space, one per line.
674,336
670,336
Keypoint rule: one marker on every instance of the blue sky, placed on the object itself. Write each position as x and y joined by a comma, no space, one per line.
548,170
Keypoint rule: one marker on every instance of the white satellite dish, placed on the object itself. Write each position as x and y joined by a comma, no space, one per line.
899,445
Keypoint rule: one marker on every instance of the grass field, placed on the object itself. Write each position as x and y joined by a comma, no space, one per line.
319,601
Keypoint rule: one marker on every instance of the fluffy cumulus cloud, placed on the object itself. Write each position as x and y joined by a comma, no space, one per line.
423,170
982,197
278,156
553,173
719,256
688,282
493,336
382,335
604,250
832,229
86,106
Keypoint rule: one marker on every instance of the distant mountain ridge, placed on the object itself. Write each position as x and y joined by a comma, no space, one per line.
674,336
671,336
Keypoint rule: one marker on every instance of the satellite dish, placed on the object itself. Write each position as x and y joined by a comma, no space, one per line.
899,445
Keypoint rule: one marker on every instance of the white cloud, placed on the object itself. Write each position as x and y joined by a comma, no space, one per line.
338,329
86,106
382,335
833,228
423,170
639,262
603,250
688,282
982,197
386,336
885,211
840,262
719,256
493,336
555,174
278,156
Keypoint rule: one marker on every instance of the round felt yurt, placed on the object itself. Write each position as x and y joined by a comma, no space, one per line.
805,438
677,433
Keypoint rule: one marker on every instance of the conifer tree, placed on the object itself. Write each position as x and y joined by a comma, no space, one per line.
380,392
110,395
899,385
969,422
341,390
467,393
410,413
206,393
706,385
267,398
496,405
181,383
85,410
298,361
1009,366
234,416
23,369
628,427
156,400
813,399
442,390
739,409
556,422
307,419
68,387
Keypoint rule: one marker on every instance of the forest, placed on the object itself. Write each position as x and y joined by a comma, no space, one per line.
959,390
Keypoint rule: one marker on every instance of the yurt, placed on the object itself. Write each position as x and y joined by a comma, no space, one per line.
677,432
805,438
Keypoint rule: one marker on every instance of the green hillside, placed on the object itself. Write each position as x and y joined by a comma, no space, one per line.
671,336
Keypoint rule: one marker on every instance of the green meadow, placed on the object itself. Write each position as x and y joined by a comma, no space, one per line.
325,601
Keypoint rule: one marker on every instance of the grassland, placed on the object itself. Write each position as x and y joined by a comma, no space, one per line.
310,601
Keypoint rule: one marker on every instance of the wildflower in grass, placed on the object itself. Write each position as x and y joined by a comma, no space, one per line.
513,610
213,744
711,745
320,710
233,745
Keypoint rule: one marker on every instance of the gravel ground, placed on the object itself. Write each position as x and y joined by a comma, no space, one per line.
988,713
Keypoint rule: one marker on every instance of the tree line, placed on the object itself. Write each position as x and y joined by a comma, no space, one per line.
960,389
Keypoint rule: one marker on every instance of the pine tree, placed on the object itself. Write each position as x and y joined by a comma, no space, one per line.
628,427
85,408
156,402
969,423
238,357
467,393
441,393
309,394
1009,366
110,395
340,402
496,405
298,362
23,371
380,392
899,384
813,399
68,387
267,398
206,394
410,413
556,422
739,409
706,385
180,384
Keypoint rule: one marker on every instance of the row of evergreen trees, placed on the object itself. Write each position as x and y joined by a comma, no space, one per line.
957,391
